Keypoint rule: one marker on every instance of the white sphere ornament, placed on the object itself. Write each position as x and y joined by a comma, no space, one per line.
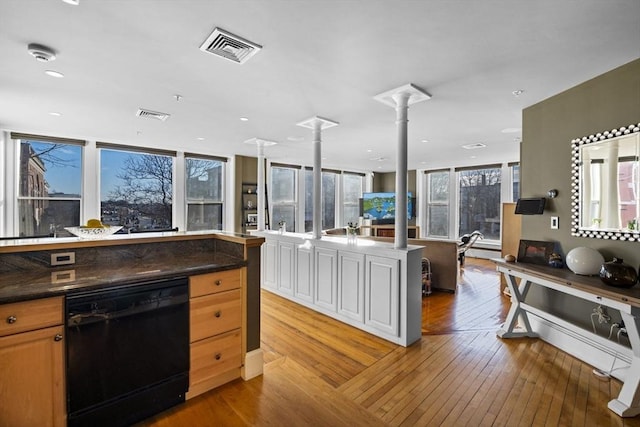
584,261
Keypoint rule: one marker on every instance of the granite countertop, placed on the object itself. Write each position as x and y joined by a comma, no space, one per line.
56,281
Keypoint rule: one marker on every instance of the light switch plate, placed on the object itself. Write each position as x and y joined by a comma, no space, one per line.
554,222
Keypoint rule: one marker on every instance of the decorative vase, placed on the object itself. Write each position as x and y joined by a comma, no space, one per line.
584,261
617,273
555,261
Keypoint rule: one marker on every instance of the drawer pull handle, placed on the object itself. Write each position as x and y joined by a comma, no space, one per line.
12,319
58,337
218,313
218,282
218,356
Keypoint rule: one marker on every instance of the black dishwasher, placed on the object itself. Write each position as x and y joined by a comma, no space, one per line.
127,352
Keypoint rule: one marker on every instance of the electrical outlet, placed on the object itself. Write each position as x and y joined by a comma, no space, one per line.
554,222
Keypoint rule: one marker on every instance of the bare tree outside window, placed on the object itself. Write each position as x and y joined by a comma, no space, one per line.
204,193
139,192
480,201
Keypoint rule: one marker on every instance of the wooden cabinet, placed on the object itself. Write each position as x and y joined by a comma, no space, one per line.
511,226
215,310
32,389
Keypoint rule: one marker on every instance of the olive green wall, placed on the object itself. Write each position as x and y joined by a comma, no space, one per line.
606,102
387,182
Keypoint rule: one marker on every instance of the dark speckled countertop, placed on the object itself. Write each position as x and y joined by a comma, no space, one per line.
39,283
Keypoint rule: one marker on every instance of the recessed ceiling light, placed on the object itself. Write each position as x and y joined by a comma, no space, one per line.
55,113
54,74
424,140
369,151
295,138
517,92
511,130
244,119
474,146
73,2
200,138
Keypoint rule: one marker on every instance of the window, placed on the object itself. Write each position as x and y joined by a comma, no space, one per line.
351,194
438,203
204,198
328,200
479,205
135,189
515,180
283,194
49,188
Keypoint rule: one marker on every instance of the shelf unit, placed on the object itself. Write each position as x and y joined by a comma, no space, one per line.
250,207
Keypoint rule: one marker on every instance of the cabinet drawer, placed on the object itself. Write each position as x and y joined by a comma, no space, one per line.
29,315
204,284
214,314
215,356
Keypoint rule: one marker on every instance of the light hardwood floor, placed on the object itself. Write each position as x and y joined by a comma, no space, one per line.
320,372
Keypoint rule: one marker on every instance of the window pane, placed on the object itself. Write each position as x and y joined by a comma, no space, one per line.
283,190
480,202
136,189
515,178
308,200
39,217
204,179
204,216
50,170
438,224
284,213
283,184
352,192
439,187
328,200
49,193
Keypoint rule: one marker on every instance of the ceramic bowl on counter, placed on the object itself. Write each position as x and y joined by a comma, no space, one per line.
93,232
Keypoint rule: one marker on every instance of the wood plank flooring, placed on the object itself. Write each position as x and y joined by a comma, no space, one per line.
320,372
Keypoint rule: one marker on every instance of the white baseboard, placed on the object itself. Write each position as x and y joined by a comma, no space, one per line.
253,364
613,359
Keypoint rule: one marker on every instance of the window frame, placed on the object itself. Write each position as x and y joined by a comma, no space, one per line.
13,180
205,202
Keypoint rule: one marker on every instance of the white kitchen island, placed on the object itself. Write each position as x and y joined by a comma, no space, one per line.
369,285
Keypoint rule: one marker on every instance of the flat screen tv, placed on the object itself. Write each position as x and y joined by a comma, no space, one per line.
381,206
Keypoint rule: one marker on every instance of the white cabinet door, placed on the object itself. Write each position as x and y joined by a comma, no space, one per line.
285,267
270,264
326,277
304,274
351,285
382,294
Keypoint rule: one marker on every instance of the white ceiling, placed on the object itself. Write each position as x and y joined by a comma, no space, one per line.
320,57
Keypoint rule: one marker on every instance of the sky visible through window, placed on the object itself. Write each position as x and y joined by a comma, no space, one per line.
111,162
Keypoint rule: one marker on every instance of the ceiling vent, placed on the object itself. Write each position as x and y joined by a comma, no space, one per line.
474,146
229,46
152,114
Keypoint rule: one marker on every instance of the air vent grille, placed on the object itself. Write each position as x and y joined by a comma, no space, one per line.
152,114
229,46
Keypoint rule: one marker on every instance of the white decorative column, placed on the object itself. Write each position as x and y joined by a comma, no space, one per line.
317,124
260,143
400,98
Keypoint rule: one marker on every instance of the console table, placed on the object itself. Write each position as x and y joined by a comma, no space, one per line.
627,301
